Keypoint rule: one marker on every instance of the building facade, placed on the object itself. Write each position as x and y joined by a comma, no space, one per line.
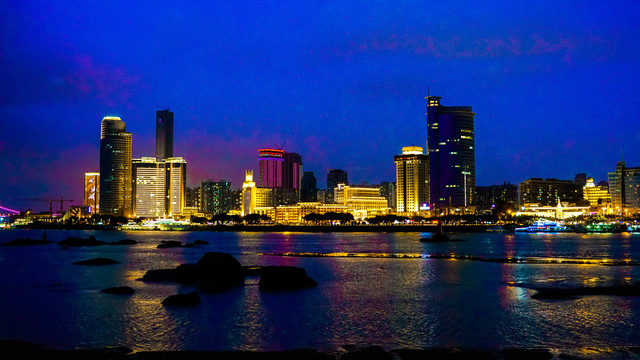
388,190
92,192
175,185
450,142
270,167
489,196
148,187
216,197
412,180
548,192
115,168
595,194
624,186
164,135
308,187
335,177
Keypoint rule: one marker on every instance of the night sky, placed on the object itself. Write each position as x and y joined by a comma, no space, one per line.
554,85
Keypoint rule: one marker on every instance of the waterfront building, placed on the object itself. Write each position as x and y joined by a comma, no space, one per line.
216,197
335,177
561,211
236,200
164,135
624,186
193,197
270,165
175,185
489,196
450,142
148,187
388,191
595,194
254,197
308,187
412,180
361,201
292,171
92,192
115,168
547,192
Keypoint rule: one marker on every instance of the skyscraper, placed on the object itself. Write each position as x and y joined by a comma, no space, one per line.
292,171
308,187
92,191
115,167
149,198
175,185
270,163
216,197
624,186
412,180
164,134
335,177
450,142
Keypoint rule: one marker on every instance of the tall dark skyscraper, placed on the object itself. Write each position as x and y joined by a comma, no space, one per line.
335,177
164,134
452,164
115,168
309,187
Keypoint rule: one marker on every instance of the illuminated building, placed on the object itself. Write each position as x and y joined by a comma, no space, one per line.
254,197
149,198
115,168
270,163
92,192
359,200
624,186
309,187
193,197
175,185
335,177
450,135
389,192
216,197
548,192
595,194
164,135
412,180
294,214
488,196
292,171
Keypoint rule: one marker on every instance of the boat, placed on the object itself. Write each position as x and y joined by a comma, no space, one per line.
606,228
544,225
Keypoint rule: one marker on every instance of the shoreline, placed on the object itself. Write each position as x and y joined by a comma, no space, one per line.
22,350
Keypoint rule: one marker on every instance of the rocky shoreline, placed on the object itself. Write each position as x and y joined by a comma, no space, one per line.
23,350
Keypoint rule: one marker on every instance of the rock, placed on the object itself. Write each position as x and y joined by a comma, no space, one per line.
26,242
97,261
161,275
369,353
190,299
277,278
186,273
526,354
124,242
119,290
219,268
74,241
169,244
573,293
200,242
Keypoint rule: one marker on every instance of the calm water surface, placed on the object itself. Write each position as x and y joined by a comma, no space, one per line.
392,302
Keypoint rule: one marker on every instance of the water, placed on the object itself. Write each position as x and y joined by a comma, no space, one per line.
392,302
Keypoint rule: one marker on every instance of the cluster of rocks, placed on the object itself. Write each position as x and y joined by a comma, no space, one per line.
168,244
92,241
217,272
26,242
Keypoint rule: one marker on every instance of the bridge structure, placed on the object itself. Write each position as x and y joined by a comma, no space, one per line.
8,212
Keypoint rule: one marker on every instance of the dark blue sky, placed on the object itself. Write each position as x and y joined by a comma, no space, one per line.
554,85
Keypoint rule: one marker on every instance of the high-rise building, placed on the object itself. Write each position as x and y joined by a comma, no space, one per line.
624,186
149,198
254,197
547,192
164,134
388,190
309,187
335,177
92,192
216,197
412,180
489,196
292,171
115,168
193,197
452,169
270,166
175,185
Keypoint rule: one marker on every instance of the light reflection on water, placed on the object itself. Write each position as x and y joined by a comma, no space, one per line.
393,302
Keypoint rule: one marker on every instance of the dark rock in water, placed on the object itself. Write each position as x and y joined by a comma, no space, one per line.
277,278
200,242
74,241
26,242
97,261
573,293
369,353
190,299
119,290
169,244
161,275
186,273
124,242
220,269
527,354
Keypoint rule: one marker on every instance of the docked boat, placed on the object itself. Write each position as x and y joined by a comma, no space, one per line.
544,225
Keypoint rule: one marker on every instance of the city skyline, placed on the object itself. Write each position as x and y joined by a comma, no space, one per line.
543,86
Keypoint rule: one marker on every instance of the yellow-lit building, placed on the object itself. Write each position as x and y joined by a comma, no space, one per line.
294,214
595,194
412,180
359,198
254,197
92,191
148,187
176,185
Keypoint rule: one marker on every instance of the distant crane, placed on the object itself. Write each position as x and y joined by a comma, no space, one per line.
51,201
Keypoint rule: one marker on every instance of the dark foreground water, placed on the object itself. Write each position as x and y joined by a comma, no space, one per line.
392,302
